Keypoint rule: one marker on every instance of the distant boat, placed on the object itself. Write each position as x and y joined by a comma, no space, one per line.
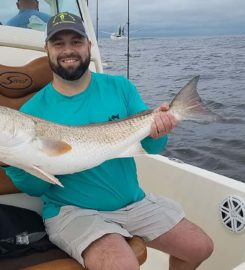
120,34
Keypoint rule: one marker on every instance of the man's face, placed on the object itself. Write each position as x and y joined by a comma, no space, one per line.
69,55
27,4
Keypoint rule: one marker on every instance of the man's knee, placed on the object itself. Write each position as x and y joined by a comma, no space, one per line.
204,248
110,252
199,249
123,263
186,241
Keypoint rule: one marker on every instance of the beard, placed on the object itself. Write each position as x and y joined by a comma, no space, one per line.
70,74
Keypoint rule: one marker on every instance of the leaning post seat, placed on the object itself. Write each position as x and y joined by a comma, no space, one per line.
17,85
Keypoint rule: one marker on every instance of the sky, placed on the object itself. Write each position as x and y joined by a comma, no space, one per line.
172,17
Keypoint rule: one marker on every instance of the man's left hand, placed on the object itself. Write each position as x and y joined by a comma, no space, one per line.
163,123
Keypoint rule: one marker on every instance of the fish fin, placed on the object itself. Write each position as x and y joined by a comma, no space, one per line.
187,104
54,147
36,171
133,151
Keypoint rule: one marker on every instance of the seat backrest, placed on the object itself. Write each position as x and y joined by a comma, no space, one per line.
17,85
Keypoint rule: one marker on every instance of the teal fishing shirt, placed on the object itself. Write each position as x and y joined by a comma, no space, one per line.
109,186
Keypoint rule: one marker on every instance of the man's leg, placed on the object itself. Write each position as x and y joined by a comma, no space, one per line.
187,245
91,239
112,252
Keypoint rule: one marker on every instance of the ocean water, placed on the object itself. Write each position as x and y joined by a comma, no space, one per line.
160,67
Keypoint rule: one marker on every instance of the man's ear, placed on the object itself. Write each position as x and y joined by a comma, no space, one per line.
46,47
89,44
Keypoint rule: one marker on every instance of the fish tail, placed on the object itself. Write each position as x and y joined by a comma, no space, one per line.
187,104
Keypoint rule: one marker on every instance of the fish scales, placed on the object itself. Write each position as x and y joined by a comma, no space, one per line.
102,133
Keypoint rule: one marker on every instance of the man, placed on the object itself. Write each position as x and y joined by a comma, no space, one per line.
29,16
91,216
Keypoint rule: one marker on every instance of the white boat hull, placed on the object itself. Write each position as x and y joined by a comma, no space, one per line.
114,36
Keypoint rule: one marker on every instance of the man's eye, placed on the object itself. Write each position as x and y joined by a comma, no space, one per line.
58,44
77,42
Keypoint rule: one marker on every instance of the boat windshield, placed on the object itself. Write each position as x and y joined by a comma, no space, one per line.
33,14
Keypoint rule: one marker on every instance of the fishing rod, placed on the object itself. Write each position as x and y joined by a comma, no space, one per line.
128,45
97,20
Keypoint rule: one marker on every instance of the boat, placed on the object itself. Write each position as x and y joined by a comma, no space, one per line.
213,201
119,34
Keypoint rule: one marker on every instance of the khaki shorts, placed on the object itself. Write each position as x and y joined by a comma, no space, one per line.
74,229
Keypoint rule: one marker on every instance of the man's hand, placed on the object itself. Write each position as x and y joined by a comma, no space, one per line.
164,122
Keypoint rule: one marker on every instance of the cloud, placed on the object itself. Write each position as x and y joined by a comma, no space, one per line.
219,16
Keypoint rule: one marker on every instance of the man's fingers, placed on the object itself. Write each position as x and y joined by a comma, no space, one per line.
162,125
154,131
162,108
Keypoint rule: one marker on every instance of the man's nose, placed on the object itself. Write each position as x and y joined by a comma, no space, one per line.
68,48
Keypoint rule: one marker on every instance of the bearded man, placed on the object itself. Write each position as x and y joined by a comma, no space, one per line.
98,208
